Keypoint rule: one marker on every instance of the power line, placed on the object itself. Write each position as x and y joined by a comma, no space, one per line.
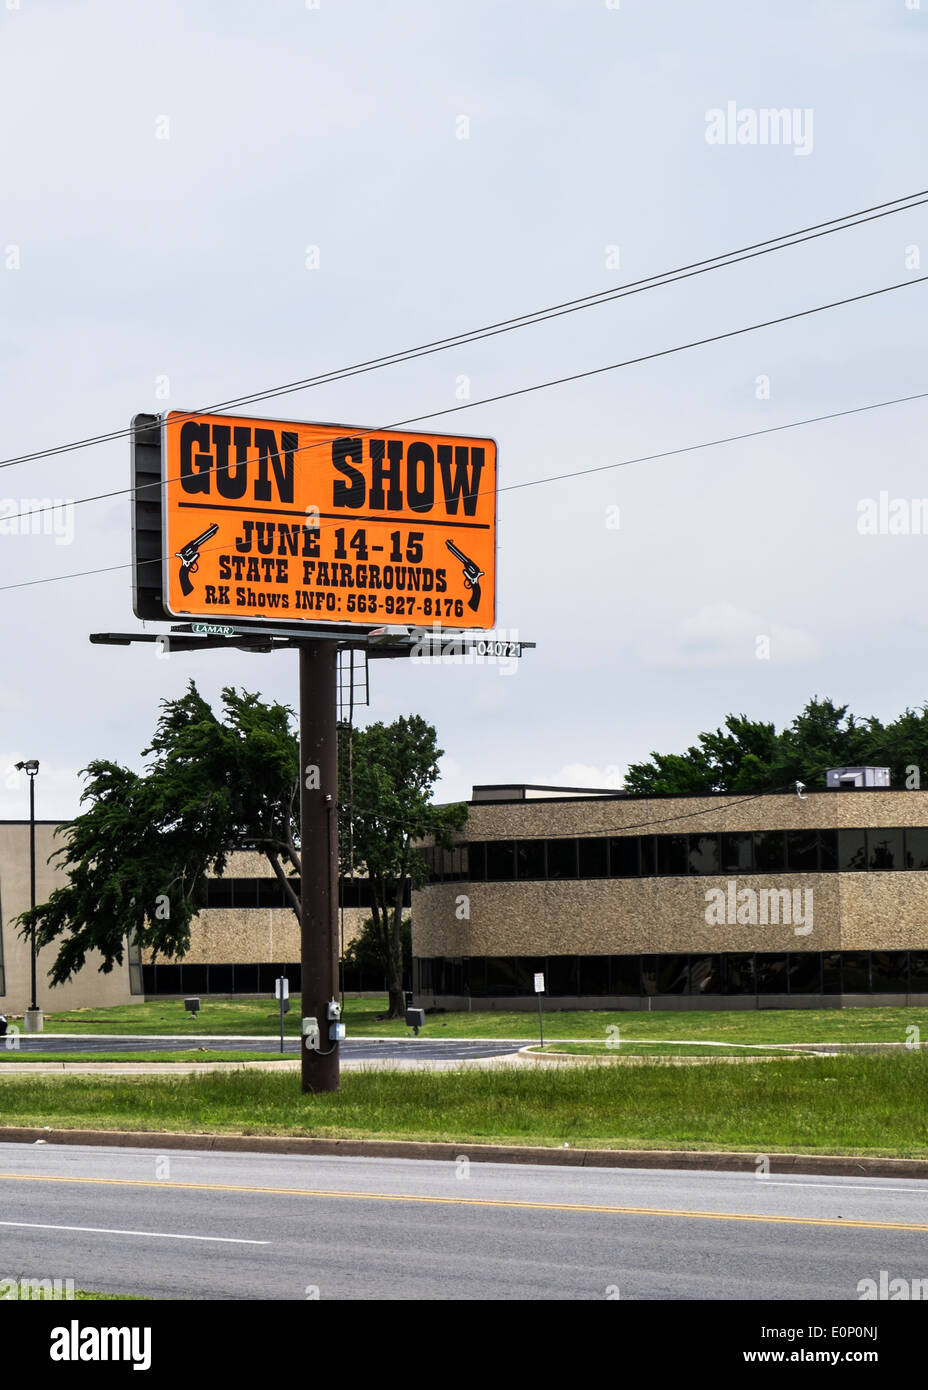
519,391
527,320
578,473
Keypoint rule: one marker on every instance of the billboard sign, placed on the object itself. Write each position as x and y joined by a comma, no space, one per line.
276,520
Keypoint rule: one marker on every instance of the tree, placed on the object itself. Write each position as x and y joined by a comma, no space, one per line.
386,775
369,953
753,757
137,858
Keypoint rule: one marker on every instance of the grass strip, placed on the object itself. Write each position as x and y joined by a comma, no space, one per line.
868,1104
258,1017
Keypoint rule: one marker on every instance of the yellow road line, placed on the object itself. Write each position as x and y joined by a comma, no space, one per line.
473,1202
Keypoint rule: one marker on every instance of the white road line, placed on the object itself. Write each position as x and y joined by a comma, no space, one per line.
845,1186
155,1235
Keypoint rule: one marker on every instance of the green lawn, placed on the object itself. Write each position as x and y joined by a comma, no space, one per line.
657,1049
200,1054
854,1104
258,1016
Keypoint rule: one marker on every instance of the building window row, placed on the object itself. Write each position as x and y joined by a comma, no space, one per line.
267,892
647,856
644,976
244,979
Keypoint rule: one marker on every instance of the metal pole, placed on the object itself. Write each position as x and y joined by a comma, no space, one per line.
318,857
33,1005
541,1027
280,986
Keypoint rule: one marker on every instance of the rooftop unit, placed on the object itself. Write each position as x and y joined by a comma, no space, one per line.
847,778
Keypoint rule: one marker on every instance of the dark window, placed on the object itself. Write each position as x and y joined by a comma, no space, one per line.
889,971
672,974
704,854
769,851
561,976
828,850
705,974
625,975
772,973
193,979
562,858
221,979
501,975
594,858
885,847
474,975
594,975
270,893
852,851
167,979
501,860
648,856
477,858
856,970
671,854
530,858
738,974
219,892
916,849
148,978
805,972
737,853
802,851
623,856
831,972
526,968
918,972
246,979
649,974
245,892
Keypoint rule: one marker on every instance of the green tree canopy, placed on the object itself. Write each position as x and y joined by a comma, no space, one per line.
750,756
137,857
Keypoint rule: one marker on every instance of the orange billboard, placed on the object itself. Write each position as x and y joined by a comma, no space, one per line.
292,522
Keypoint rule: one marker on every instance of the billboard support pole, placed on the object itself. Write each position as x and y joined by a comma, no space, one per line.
318,859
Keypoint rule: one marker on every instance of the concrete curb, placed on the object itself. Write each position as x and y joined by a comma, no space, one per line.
587,1059
816,1165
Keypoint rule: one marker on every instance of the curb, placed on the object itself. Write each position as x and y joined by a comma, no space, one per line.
816,1165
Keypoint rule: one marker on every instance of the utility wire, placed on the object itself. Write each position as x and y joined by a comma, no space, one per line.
509,395
557,477
527,320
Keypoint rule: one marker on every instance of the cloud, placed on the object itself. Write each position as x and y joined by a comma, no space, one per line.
720,634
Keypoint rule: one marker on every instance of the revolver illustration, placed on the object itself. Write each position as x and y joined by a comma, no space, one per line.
190,556
472,575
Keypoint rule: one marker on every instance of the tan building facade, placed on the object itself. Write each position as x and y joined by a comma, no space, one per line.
718,901
90,988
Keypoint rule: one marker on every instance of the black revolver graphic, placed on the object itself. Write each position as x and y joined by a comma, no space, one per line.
189,558
472,575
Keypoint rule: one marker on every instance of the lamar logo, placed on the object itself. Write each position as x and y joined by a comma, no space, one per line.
76,1343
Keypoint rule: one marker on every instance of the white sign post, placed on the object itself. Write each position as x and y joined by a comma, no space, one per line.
282,992
539,990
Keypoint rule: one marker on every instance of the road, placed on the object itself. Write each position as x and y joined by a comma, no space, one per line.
256,1226
353,1049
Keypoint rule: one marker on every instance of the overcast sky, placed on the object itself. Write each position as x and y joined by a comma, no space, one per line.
164,170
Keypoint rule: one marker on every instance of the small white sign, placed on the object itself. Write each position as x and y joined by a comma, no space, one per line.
539,984
282,983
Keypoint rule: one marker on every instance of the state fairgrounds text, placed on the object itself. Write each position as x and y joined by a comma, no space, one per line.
618,899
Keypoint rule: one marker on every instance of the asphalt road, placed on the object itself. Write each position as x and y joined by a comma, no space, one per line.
243,1226
353,1049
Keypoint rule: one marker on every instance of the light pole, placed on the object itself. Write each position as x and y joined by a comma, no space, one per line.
33,1016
